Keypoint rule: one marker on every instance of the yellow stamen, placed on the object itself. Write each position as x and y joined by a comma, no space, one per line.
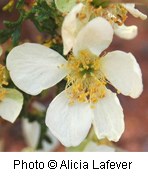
3,75
3,93
86,81
114,13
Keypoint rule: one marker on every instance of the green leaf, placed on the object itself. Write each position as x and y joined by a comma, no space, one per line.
16,36
9,24
58,48
45,18
5,34
19,4
102,3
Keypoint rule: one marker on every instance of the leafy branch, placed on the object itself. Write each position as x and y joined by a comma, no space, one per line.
44,17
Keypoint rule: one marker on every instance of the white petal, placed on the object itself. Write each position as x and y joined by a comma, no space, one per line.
126,32
31,132
34,67
124,73
96,36
133,11
11,105
93,147
71,26
69,123
108,117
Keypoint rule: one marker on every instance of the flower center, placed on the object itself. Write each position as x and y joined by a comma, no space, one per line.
85,82
114,13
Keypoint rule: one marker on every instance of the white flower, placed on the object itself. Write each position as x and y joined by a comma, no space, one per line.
86,100
129,32
31,133
11,100
93,147
79,16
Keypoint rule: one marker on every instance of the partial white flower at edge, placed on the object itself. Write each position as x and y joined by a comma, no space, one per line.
11,105
11,102
31,133
34,67
72,25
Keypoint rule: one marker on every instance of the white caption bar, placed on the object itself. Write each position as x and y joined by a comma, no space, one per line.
72,165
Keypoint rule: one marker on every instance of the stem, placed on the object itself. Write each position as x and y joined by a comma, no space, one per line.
144,2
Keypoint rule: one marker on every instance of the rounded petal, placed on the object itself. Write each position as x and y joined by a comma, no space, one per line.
124,73
71,25
126,32
11,105
65,5
31,132
93,147
69,123
96,36
34,67
130,7
108,117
